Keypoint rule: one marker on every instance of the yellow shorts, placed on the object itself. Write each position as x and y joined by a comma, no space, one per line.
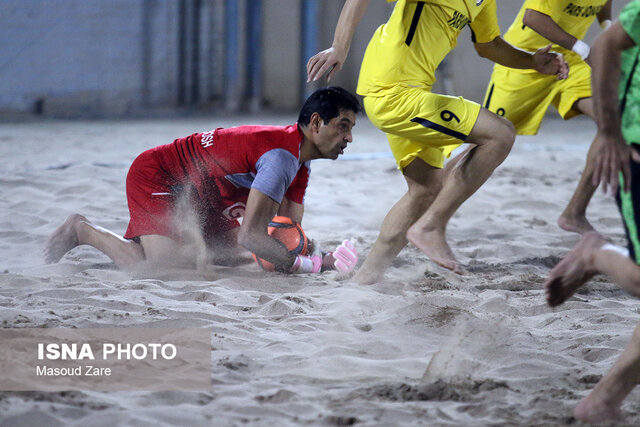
421,124
523,98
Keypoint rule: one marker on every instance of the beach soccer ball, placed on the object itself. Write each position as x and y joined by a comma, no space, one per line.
289,234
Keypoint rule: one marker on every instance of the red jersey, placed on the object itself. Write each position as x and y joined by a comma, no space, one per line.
221,166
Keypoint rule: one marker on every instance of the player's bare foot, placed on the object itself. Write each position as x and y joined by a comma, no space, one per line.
574,270
574,224
363,277
435,246
63,239
591,409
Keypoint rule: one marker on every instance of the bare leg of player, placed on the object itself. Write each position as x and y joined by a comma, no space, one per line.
424,182
494,137
603,403
590,256
157,250
574,216
78,230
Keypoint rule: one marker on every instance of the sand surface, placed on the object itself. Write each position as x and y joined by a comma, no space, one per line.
423,347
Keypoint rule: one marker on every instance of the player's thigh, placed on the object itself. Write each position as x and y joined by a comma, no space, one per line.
421,124
585,106
522,98
151,198
491,128
574,91
165,250
221,233
422,178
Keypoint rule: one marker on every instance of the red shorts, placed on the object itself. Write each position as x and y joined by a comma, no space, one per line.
153,197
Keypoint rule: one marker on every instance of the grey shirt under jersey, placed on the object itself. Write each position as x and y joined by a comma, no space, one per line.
275,171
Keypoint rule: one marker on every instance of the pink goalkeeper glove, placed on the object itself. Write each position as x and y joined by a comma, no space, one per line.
346,256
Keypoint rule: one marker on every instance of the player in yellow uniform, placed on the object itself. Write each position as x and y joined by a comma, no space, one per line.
423,128
523,96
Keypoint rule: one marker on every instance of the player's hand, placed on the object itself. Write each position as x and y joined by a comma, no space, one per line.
329,60
346,257
614,156
547,62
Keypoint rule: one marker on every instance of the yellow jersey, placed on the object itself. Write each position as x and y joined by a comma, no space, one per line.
407,49
573,16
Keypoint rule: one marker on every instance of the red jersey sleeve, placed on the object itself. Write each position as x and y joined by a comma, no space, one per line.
298,187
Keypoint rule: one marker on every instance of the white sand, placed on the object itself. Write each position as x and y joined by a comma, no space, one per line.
425,347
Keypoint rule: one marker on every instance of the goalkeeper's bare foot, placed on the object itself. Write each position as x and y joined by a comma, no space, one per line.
63,239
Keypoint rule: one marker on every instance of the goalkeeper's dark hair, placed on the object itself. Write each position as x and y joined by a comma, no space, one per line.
327,102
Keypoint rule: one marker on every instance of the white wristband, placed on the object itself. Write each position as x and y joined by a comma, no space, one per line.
306,264
605,24
581,48
302,264
614,248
